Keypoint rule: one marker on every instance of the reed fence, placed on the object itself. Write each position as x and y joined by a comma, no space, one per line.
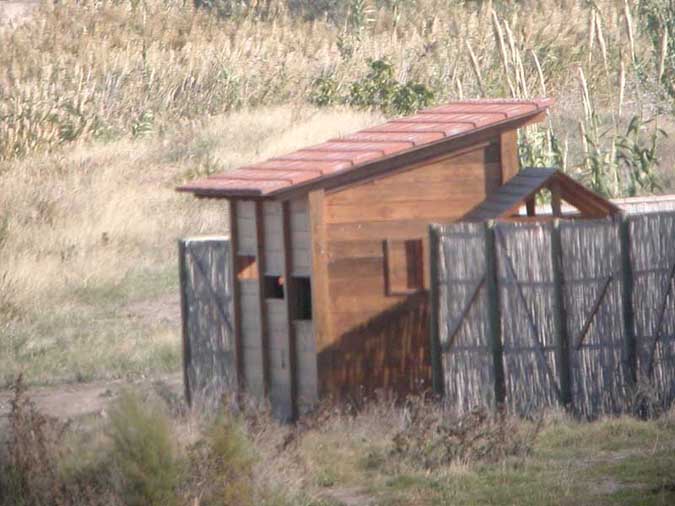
579,314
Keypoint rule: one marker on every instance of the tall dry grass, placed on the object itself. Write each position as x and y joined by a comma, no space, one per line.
88,281
82,70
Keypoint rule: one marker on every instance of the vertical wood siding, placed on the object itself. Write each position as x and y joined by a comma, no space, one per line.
379,340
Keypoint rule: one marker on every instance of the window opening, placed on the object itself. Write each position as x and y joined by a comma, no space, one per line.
246,267
303,298
273,287
404,268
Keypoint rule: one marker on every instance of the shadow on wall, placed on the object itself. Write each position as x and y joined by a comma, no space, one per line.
389,354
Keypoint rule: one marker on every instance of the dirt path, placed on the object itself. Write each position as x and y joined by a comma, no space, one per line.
80,399
349,497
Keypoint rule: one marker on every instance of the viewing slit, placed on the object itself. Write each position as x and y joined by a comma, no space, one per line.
274,287
303,297
404,270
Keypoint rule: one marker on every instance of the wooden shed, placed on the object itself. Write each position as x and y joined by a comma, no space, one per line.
330,245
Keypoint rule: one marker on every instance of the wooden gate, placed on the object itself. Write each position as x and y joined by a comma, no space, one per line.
209,362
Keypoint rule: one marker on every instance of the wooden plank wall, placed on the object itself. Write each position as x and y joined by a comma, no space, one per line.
379,341
300,244
306,366
273,245
304,349
509,154
252,361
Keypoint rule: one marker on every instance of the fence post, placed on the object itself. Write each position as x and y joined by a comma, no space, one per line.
182,276
494,315
437,380
560,318
627,310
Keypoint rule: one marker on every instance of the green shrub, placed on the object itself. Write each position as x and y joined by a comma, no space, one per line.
434,438
378,89
222,466
143,452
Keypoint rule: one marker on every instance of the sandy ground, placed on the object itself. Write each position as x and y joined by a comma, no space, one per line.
79,399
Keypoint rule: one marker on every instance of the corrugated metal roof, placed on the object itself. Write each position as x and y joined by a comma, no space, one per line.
356,151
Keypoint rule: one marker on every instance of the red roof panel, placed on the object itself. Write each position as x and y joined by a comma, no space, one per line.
351,156
325,167
358,150
354,146
286,176
445,129
414,139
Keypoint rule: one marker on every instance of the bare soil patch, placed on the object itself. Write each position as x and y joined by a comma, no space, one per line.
75,400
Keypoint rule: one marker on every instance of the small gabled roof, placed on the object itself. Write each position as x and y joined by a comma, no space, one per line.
508,199
358,152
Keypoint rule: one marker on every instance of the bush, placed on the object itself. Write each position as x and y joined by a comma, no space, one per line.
143,452
433,438
30,476
222,466
378,89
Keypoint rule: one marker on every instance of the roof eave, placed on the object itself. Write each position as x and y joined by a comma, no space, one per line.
360,171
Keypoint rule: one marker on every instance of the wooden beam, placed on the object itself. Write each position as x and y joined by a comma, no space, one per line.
290,299
437,373
574,192
262,307
531,206
556,202
494,315
508,146
627,310
236,297
560,319
182,274
320,290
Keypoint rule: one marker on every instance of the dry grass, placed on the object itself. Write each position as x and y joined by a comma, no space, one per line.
82,70
335,458
89,241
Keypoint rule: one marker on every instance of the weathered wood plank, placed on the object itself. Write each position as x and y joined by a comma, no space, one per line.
437,373
262,314
320,291
289,309
510,160
236,303
494,315
209,354
560,316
